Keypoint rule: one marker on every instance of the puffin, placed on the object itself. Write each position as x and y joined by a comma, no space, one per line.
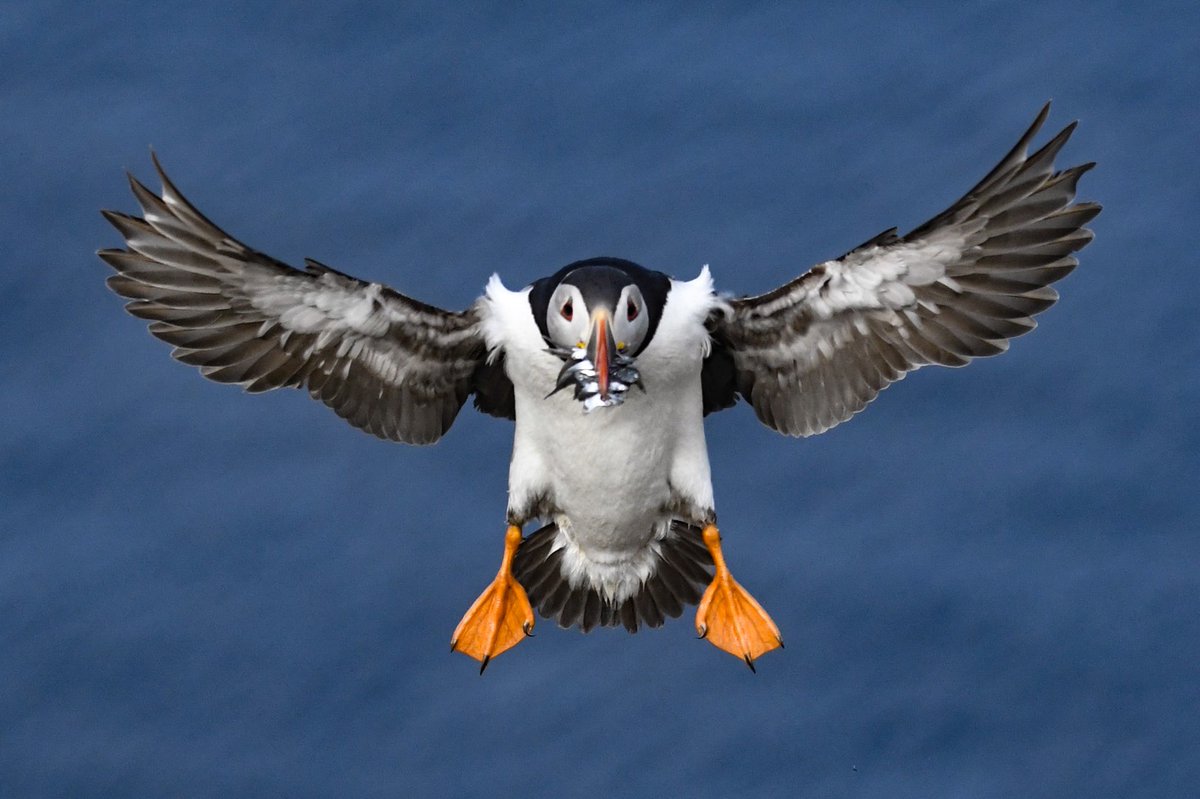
607,370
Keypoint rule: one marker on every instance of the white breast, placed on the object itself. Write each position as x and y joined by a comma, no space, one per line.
612,473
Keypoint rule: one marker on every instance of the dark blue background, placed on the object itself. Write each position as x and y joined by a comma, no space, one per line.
988,582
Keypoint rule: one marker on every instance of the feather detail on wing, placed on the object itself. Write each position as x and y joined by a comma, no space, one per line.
388,364
815,351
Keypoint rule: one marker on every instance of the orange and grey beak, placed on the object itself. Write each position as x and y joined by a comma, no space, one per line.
601,350
600,373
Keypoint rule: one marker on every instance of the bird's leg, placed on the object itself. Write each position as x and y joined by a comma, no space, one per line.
501,617
728,617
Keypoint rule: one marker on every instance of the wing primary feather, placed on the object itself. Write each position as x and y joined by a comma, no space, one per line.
391,365
956,288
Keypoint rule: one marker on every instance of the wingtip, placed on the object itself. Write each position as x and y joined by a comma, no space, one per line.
114,217
168,186
1035,126
1038,120
136,186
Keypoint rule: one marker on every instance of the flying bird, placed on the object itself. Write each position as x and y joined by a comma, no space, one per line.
608,370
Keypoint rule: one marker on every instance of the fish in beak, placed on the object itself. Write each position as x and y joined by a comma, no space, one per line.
600,373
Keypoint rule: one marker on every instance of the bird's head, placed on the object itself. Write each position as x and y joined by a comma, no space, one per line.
598,316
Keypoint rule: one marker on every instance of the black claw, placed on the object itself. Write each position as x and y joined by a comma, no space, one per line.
703,634
487,659
528,628
781,646
750,663
453,644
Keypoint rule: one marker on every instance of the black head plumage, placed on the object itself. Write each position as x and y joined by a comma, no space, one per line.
603,278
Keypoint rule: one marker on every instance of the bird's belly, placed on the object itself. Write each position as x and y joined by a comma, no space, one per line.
605,473
615,500
613,486
606,476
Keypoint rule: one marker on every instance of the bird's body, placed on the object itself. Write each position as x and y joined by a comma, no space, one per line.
617,467
611,480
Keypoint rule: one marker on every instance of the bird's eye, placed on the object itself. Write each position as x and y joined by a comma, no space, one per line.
631,312
567,311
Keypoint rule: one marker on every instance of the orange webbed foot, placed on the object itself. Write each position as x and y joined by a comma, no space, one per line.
500,618
728,617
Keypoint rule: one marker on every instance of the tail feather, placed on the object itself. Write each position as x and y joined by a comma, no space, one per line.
683,571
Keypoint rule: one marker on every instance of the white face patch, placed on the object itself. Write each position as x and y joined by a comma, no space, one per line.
575,337
630,320
567,317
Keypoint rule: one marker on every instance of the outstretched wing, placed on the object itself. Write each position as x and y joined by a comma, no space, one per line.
815,351
390,365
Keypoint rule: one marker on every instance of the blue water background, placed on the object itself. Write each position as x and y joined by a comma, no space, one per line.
989,582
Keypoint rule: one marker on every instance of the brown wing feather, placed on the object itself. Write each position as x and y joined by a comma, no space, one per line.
388,364
812,353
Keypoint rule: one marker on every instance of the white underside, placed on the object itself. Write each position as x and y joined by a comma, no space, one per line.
612,473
